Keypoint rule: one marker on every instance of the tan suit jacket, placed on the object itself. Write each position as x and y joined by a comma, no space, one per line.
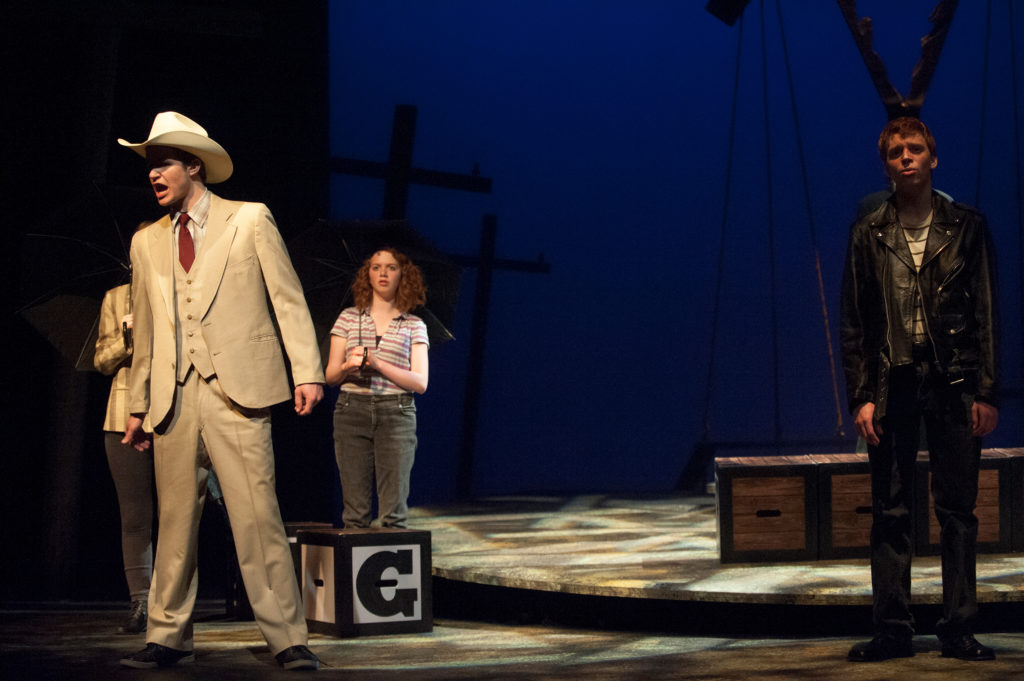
248,283
112,357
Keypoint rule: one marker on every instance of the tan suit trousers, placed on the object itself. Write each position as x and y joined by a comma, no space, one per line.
239,446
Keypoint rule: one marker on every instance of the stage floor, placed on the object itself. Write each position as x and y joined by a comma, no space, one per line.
601,587
661,548
79,641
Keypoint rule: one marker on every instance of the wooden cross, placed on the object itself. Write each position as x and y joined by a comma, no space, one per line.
398,172
485,264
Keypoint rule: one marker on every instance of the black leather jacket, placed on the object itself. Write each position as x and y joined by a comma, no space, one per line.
957,283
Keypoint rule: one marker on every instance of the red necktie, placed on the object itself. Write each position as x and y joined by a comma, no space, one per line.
186,247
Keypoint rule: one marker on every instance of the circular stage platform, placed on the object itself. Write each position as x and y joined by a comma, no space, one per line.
657,548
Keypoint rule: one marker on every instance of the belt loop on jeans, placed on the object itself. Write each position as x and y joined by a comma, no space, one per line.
404,399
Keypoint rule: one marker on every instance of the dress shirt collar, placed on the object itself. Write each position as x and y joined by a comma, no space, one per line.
198,214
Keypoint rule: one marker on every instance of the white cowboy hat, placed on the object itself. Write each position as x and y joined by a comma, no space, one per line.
171,129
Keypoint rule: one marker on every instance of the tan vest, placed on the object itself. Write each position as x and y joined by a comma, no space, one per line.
192,349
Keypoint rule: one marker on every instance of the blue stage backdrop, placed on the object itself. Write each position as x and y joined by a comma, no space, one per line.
605,126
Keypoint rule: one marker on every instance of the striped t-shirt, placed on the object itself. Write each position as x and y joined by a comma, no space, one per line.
395,347
917,241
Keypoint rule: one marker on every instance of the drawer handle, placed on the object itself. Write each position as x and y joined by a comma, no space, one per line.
318,582
769,513
863,510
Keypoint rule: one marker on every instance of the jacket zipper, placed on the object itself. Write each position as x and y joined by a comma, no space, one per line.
888,324
927,324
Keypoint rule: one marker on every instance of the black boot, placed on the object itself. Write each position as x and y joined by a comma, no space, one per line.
881,647
138,614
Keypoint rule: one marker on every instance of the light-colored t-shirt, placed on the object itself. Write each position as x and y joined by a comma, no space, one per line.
917,239
395,347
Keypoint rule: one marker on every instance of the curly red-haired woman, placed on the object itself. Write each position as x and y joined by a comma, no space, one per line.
379,357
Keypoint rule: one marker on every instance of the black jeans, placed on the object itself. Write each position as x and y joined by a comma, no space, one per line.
917,394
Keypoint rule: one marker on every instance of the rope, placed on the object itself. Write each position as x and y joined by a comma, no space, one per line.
984,100
721,245
1016,146
811,225
771,231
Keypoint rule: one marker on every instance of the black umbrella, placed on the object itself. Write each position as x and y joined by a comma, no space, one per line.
64,276
67,310
328,255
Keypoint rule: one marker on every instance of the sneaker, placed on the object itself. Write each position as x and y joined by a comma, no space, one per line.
966,647
137,617
297,657
156,655
881,647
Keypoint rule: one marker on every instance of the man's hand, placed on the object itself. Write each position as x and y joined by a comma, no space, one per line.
134,435
307,395
866,425
984,418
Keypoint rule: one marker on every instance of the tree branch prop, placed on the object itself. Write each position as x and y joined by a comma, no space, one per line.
931,47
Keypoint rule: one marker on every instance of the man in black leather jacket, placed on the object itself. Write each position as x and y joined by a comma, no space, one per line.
919,344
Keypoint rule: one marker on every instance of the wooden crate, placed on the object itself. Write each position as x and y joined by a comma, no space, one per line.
767,508
1014,480
1016,483
358,582
994,508
291,530
844,505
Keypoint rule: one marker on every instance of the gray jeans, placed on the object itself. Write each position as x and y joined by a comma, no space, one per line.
132,472
375,437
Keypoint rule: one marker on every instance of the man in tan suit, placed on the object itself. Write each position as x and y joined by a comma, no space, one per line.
210,279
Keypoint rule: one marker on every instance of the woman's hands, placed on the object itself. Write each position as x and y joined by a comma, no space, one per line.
340,365
362,357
